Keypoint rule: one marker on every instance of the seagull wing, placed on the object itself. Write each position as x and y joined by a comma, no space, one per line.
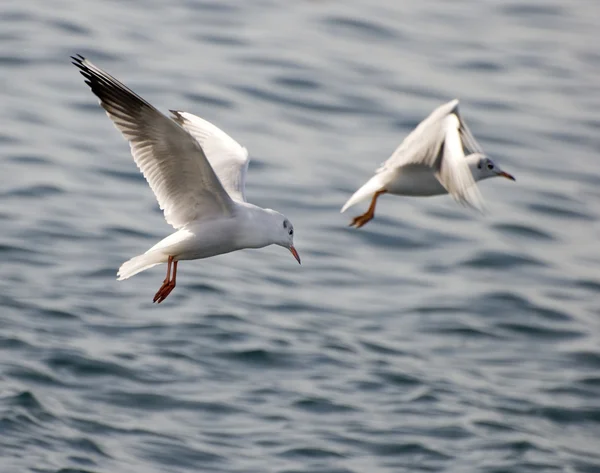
227,157
469,143
437,142
423,144
170,159
452,168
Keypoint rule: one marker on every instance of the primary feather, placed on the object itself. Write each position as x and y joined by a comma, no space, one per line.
171,160
227,157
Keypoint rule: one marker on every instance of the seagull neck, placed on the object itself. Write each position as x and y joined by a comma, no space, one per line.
257,226
473,163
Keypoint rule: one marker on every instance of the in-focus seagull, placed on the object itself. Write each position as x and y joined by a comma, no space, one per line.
440,156
197,173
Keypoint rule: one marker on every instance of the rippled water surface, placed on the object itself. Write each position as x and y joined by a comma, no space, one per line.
433,339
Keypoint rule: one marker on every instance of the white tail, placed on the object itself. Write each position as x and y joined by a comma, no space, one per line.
140,263
373,185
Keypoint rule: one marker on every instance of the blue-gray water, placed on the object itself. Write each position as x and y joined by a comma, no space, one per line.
433,339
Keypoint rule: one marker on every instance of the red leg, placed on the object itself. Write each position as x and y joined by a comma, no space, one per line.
169,262
175,272
168,284
369,214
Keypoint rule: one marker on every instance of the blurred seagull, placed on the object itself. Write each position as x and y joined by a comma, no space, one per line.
431,161
197,173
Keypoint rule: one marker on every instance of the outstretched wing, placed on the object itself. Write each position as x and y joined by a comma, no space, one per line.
228,158
170,159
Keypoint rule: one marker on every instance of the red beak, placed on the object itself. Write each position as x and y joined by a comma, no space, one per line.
295,253
506,175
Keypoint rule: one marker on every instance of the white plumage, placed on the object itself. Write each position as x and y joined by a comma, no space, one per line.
439,156
197,173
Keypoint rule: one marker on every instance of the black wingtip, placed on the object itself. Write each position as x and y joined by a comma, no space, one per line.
78,60
177,116
111,92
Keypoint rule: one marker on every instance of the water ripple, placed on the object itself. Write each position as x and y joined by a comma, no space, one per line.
322,406
360,28
498,260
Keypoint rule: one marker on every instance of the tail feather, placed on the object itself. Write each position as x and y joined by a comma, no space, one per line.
139,263
373,185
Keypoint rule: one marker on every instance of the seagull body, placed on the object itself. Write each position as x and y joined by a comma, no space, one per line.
440,156
197,173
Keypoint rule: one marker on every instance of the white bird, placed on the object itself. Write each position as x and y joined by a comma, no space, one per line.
431,161
197,173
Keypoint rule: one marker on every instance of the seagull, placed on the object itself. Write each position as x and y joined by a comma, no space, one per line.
197,173
440,156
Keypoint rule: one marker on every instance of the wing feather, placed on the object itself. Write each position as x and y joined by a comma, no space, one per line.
170,159
453,171
228,158
439,142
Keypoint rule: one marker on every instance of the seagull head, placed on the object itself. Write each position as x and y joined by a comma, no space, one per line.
283,233
487,168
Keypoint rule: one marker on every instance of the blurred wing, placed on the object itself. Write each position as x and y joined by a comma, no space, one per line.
172,162
423,144
469,142
453,171
227,157
437,143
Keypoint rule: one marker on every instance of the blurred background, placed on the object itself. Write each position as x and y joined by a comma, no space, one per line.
433,339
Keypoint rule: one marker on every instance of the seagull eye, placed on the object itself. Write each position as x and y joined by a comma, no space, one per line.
490,166
291,232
